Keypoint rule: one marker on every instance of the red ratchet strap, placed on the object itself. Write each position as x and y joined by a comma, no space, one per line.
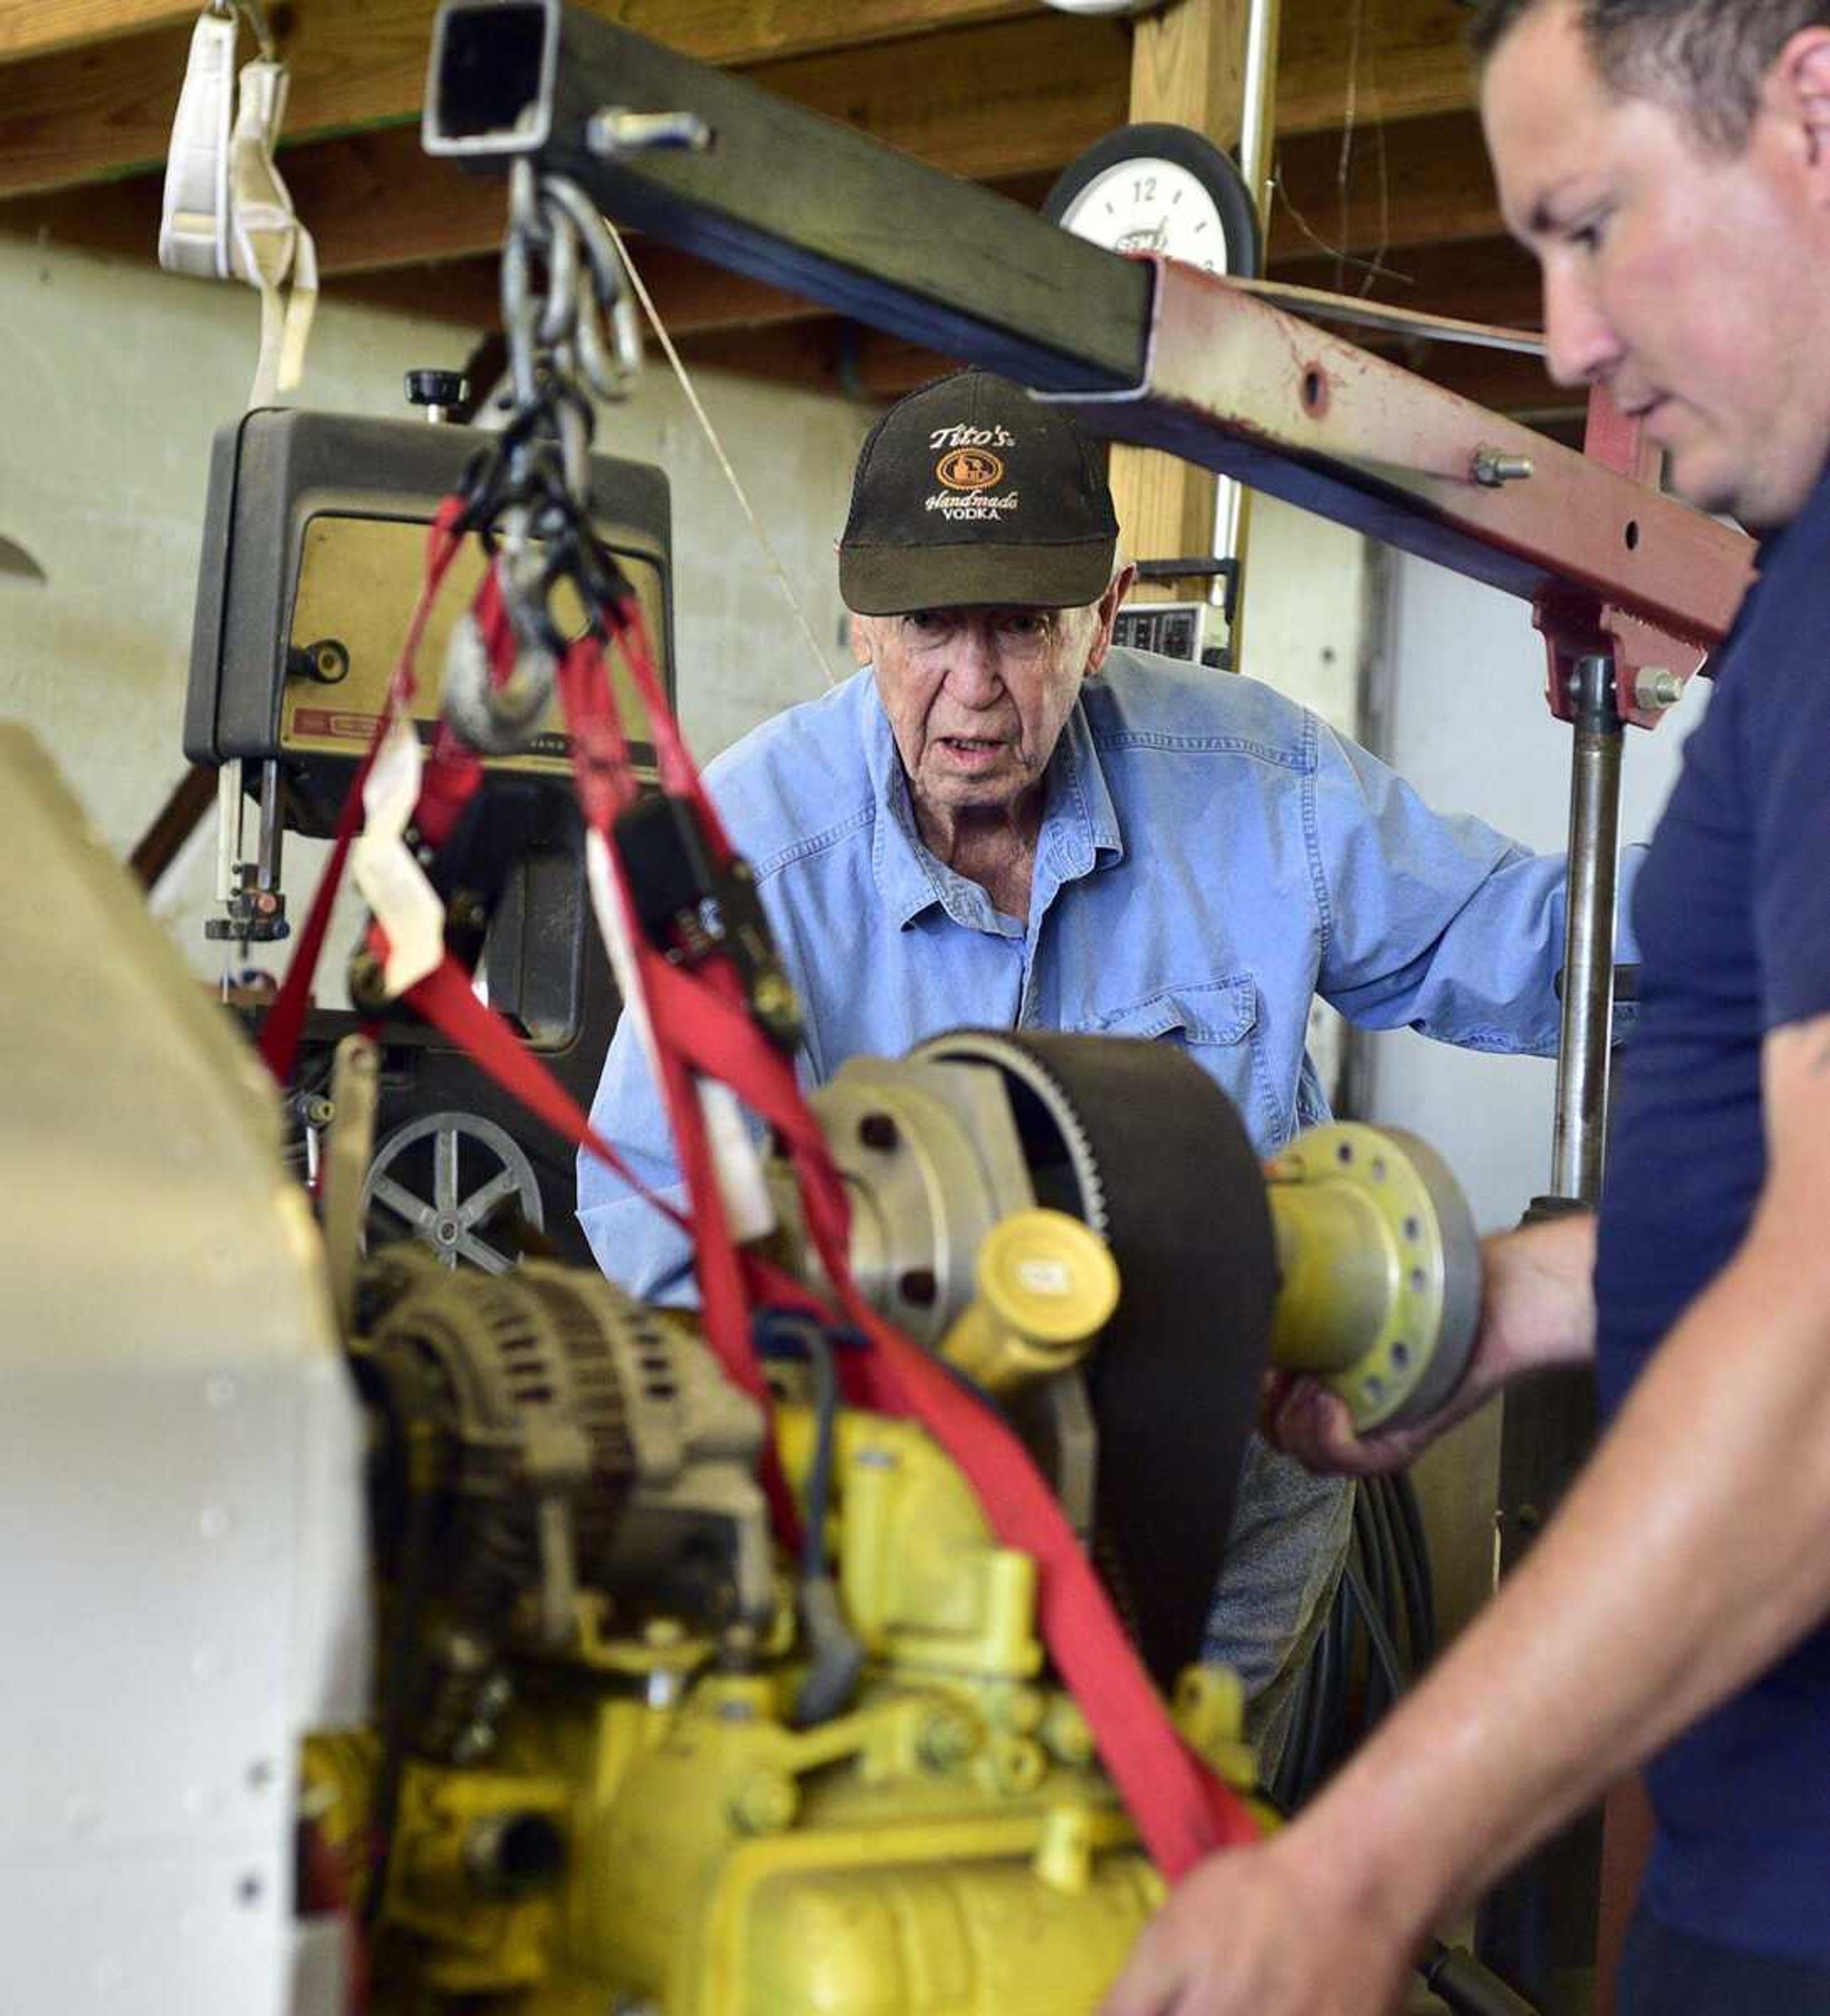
1181,1808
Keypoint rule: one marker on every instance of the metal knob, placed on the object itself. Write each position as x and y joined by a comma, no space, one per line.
437,391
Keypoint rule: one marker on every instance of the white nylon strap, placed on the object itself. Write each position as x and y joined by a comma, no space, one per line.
393,883
267,241
227,213
742,1182
193,223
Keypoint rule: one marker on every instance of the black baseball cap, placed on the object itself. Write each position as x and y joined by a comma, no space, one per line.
970,493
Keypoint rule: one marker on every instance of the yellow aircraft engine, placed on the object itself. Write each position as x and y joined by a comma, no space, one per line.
630,1757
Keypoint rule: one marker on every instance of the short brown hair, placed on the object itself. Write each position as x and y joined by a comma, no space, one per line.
1706,58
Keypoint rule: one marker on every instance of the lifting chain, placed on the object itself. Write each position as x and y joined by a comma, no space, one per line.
570,320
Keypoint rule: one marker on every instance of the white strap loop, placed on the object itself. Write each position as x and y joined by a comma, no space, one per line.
268,241
227,215
394,884
193,226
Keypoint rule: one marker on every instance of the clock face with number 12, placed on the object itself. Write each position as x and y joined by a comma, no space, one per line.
1165,189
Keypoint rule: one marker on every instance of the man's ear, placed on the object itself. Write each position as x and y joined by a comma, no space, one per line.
861,651
1106,614
1798,89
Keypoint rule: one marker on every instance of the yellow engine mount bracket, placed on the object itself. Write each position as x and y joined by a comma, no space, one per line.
1379,1267
1046,1287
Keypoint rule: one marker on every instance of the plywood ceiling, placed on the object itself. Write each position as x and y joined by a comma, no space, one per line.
1382,184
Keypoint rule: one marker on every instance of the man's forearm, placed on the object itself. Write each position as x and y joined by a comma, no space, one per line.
1689,1556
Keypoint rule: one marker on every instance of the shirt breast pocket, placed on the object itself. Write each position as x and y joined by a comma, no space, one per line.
1217,1022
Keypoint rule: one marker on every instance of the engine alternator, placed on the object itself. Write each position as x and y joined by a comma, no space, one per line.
562,1439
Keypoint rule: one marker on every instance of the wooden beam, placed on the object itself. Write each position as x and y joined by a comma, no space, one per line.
1489,279
374,200
1383,59
90,113
1013,99
94,111
691,296
726,32
1187,68
829,355
1408,181
1010,98
37,27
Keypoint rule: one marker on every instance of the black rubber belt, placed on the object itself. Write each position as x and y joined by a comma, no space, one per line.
1174,1387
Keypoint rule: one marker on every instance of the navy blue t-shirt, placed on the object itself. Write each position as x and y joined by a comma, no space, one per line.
1733,912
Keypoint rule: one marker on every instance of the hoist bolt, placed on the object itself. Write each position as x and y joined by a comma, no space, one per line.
1018,1764
1020,1711
616,130
1066,1734
764,1803
1492,469
1655,688
947,1738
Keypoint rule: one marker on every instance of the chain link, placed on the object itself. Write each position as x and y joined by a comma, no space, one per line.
572,331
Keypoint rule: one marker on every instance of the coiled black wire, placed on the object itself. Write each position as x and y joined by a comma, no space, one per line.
1379,1634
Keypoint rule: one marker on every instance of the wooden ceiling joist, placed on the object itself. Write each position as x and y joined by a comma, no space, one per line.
90,114
1378,151
41,27
1408,181
993,103
375,200
103,109
690,295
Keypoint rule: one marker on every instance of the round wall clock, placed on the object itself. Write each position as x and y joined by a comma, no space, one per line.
1162,188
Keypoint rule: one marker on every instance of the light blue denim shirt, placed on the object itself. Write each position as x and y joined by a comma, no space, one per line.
1212,857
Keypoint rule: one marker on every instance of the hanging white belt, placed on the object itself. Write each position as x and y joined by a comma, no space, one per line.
227,215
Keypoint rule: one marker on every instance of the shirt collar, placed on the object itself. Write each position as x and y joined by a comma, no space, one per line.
1079,823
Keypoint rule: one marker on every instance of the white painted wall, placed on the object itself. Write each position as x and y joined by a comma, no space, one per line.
1468,726
1311,630
1464,717
113,377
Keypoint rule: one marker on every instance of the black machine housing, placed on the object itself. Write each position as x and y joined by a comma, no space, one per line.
314,543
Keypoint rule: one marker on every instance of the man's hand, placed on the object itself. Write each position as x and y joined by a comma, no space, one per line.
1537,1308
1304,1419
1256,1931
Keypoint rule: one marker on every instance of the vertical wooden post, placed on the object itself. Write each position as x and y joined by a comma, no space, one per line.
1187,69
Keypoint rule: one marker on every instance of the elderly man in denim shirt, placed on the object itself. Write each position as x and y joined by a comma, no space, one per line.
1005,821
